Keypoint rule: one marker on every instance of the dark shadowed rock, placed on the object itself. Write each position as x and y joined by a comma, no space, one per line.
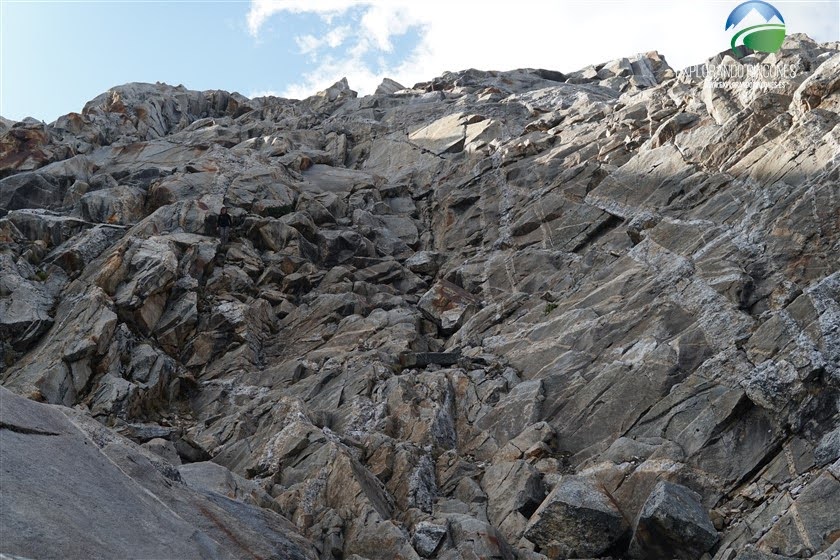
427,538
30,190
423,359
424,262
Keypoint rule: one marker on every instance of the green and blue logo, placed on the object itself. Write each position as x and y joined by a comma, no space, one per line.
763,37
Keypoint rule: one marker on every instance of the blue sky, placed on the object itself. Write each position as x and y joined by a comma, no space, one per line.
57,55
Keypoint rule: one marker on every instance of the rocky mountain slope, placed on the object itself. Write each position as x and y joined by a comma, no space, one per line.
514,315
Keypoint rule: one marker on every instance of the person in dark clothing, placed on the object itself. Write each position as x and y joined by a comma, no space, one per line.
223,223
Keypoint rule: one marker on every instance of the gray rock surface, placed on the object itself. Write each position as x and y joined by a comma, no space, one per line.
115,502
388,86
438,305
427,538
514,491
577,520
672,524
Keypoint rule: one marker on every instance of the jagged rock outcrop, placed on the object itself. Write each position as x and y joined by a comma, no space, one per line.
515,315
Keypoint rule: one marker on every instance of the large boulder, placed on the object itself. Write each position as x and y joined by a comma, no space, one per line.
30,190
120,205
388,86
514,491
672,524
448,305
49,227
577,519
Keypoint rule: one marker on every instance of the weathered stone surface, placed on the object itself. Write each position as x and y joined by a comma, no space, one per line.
28,145
810,524
60,367
475,538
424,262
205,476
120,205
514,491
828,449
444,135
514,412
818,87
111,508
532,442
427,538
30,190
25,303
164,449
447,305
51,228
577,519
263,190
388,86
672,524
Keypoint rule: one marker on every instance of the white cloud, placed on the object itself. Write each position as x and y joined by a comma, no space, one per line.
337,36
383,21
502,35
309,44
261,10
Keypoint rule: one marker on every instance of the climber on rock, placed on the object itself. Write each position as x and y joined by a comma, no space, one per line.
223,224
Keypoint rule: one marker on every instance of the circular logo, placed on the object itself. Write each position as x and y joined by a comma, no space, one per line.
756,25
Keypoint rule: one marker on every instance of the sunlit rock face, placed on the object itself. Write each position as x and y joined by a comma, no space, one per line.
516,315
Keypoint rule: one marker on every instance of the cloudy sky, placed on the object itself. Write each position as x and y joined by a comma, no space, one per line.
56,54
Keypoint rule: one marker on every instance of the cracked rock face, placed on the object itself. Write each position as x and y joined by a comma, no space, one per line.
512,315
